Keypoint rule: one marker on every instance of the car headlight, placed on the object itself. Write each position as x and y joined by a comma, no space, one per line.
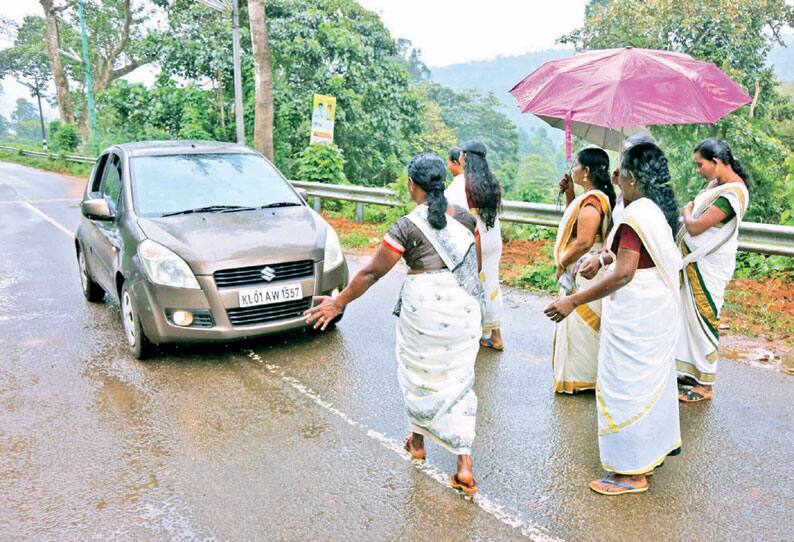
164,267
333,250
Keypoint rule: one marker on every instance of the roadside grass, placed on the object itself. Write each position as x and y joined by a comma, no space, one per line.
57,165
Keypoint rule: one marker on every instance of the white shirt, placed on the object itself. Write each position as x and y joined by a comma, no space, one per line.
456,192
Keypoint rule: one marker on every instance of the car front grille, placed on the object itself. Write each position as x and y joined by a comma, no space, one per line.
247,316
243,276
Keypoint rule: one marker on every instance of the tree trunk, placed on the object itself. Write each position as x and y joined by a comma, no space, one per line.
52,41
263,78
221,104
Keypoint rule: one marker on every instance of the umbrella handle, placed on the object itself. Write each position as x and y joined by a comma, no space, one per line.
568,143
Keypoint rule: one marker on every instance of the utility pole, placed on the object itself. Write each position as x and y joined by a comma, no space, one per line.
89,82
238,81
231,6
41,116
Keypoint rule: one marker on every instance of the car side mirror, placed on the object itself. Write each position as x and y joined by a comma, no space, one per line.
96,209
303,194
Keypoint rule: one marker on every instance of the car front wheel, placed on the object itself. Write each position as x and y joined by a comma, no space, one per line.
140,347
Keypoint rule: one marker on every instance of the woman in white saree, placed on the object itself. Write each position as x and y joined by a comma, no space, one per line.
439,309
636,392
583,228
708,241
483,197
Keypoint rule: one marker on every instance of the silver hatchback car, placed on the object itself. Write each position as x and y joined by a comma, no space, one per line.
202,241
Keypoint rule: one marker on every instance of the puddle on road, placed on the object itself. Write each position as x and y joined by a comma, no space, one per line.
758,353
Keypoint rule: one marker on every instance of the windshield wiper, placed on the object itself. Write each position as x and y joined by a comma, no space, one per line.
280,204
212,209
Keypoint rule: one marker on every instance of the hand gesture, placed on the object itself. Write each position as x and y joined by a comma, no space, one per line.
561,308
566,183
590,267
323,314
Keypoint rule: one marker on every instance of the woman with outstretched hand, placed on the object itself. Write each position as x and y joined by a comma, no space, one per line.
439,311
708,240
636,392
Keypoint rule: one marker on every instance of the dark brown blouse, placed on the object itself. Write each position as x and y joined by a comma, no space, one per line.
407,240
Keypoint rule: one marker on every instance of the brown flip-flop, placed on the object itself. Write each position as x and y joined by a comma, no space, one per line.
488,343
456,484
692,396
414,454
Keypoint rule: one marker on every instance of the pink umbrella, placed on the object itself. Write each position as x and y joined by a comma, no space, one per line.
621,88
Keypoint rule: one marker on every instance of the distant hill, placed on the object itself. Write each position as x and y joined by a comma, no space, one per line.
499,76
782,59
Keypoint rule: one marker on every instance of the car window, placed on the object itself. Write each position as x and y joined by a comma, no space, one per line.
110,187
176,183
99,170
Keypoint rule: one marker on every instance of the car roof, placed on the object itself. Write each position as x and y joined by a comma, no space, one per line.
164,148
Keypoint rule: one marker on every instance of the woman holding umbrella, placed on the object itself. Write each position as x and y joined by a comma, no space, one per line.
584,227
708,240
636,390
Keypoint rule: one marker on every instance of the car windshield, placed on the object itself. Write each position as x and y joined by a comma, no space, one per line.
179,184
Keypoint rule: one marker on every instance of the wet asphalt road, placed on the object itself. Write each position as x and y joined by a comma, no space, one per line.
297,437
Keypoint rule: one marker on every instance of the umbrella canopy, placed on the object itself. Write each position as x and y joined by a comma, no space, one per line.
616,88
606,138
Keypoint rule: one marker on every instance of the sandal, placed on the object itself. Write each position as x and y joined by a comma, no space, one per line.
488,343
691,396
414,453
626,488
456,484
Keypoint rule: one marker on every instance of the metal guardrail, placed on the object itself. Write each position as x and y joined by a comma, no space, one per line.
67,157
753,236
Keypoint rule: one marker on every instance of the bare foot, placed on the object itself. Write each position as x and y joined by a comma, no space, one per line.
415,445
464,472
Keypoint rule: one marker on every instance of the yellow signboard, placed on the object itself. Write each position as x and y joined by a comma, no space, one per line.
323,114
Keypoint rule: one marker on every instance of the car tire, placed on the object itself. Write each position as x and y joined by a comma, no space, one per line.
139,345
92,291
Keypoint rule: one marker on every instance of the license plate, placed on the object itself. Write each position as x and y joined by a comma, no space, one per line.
251,297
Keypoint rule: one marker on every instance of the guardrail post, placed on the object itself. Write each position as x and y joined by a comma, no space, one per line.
359,211
318,204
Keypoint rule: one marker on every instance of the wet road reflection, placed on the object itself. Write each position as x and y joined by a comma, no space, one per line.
293,437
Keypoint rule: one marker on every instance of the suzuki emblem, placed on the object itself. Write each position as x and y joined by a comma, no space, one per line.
268,273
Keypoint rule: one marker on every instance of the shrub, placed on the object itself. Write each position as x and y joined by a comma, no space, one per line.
322,163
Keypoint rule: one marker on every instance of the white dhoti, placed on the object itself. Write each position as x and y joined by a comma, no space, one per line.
709,262
575,355
438,334
636,391
491,247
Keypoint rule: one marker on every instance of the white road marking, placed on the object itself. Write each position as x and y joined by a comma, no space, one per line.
531,530
45,200
58,225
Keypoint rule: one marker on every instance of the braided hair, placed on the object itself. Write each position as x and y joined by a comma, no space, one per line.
483,190
712,149
597,163
428,172
648,164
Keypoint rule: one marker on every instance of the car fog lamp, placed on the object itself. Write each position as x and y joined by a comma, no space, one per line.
182,318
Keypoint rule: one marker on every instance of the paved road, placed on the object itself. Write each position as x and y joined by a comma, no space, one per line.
298,438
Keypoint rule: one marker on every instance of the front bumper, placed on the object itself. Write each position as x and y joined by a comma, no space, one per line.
154,301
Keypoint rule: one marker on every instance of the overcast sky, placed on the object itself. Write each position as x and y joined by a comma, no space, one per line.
452,31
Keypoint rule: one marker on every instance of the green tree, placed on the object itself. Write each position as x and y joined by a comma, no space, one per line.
27,60
5,125
472,115
65,138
